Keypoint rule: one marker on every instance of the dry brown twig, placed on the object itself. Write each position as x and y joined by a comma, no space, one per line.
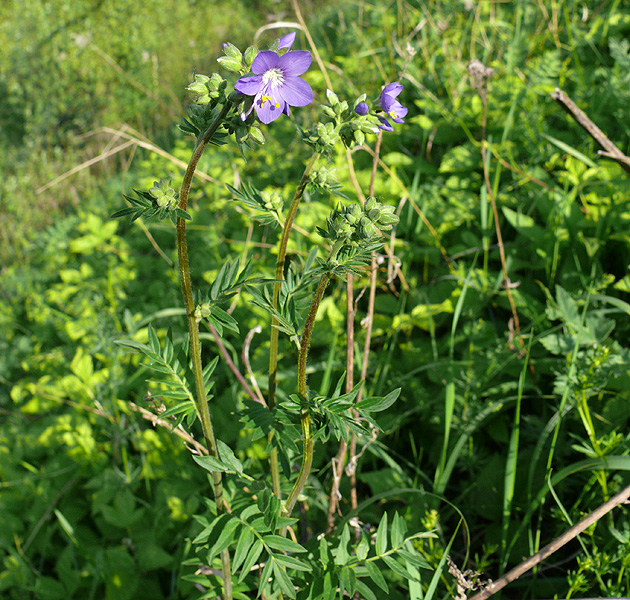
609,149
554,546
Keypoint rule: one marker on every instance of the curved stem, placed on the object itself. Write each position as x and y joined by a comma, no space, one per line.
193,330
273,344
305,417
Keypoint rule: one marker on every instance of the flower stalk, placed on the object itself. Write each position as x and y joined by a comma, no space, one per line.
193,330
305,417
273,344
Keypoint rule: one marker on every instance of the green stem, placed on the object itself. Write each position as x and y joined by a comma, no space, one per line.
305,417
193,330
273,344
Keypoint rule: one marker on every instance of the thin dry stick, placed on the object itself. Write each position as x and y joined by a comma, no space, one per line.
610,150
230,363
178,431
549,549
369,318
311,43
248,367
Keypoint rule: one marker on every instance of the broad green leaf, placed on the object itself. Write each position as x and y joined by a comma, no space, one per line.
227,457
341,556
293,563
212,464
226,537
277,542
378,404
362,548
347,582
376,575
395,566
399,528
242,547
283,579
381,536
365,591
252,556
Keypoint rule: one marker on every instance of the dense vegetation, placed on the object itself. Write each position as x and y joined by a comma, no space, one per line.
512,420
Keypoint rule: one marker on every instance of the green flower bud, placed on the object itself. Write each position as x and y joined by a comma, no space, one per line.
232,51
374,215
250,55
370,203
256,135
231,63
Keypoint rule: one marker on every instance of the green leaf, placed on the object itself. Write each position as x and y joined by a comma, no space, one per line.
264,576
341,557
277,542
378,404
362,548
252,556
395,566
399,528
381,536
293,563
212,464
242,547
376,576
227,457
365,591
347,582
226,537
283,579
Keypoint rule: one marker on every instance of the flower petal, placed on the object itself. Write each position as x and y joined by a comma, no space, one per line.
269,108
286,41
397,111
392,89
249,85
294,63
264,61
385,124
295,91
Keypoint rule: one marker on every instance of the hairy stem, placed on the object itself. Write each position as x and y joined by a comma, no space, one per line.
193,330
273,344
305,417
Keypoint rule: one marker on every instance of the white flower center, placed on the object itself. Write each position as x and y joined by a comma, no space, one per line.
274,77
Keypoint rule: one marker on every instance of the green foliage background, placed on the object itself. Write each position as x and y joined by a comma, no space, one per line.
522,440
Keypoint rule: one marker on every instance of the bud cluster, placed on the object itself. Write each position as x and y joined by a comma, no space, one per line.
165,196
272,201
202,311
325,179
207,88
322,137
235,61
356,223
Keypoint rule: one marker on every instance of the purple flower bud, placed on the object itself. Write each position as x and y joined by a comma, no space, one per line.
362,109
286,41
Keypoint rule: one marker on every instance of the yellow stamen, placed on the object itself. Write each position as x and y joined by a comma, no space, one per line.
264,99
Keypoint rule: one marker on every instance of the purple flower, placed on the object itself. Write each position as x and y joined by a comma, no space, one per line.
394,109
362,109
276,84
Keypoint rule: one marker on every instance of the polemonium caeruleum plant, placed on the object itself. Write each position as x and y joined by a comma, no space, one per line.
248,544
